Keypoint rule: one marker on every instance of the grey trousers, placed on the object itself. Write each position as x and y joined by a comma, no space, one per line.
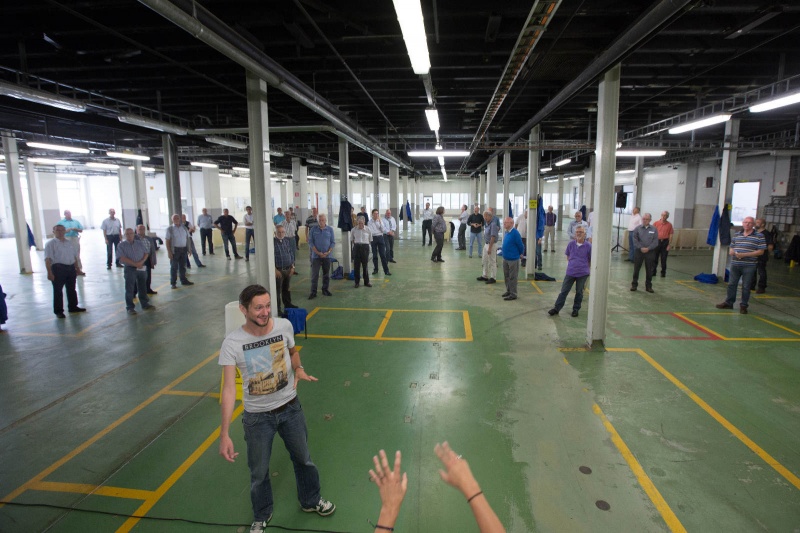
510,274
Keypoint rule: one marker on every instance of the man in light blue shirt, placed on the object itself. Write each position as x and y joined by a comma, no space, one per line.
206,225
279,219
321,240
74,229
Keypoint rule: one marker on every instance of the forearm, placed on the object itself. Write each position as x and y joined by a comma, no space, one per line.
485,516
387,518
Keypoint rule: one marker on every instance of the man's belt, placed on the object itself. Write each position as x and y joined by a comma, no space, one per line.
282,407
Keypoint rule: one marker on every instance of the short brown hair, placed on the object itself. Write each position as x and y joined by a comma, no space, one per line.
250,292
440,210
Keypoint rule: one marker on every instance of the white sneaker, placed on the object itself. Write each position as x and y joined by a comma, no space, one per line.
323,508
260,525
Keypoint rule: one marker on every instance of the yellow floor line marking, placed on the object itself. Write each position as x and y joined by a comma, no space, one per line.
95,490
778,326
467,327
99,323
192,393
174,477
795,289
760,339
755,448
312,313
384,323
573,349
535,286
394,310
761,297
362,338
644,480
686,284
105,431
697,324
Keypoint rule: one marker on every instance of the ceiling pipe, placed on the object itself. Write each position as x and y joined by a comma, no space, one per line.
206,27
648,23
272,129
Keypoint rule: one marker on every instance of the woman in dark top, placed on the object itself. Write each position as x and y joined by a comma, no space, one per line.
439,227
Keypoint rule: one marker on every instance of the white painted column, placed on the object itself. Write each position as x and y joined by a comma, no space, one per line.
212,194
560,214
726,177
394,175
172,175
48,193
403,207
376,184
300,186
17,205
329,194
589,184
606,149
344,191
639,181
141,195
260,185
363,194
481,189
533,193
127,195
507,182
34,197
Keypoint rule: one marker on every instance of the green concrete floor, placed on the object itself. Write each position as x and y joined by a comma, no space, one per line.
111,413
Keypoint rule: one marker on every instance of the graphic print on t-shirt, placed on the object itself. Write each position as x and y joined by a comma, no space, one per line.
266,363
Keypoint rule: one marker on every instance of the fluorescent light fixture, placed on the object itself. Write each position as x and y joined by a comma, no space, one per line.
409,14
58,147
241,169
2,157
383,179
315,178
563,162
276,153
546,169
41,97
352,174
68,175
628,171
144,169
641,153
44,161
224,141
108,166
128,155
433,118
710,121
336,180
438,153
314,162
362,173
152,124
271,173
776,103
203,164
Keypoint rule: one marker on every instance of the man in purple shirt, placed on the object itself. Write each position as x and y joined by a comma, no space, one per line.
579,259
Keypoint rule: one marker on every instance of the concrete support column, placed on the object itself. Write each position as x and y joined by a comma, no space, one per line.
300,186
394,177
344,191
34,197
491,185
376,183
506,182
481,190
560,213
533,198
211,192
172,175
363,194
639,180
127,195
606,151
260,185
726,177
686,194
17,205
329,194
141,195
403,204
48,193
588,186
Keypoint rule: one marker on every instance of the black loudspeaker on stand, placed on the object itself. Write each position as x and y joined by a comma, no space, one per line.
622,201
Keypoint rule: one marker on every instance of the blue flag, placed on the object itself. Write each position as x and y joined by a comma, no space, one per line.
510,210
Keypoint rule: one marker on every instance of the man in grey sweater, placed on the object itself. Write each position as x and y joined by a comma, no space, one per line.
645,243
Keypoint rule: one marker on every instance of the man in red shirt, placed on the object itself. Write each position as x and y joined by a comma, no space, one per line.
665,232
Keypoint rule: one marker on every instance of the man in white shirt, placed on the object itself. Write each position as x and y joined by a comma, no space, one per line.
112,230
389,231
249,232
361,238
427,223
634,222
462,229
177,244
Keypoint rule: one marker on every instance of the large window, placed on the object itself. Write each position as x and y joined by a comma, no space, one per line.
744,201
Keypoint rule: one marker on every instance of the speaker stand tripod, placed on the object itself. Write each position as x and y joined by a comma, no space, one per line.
618,246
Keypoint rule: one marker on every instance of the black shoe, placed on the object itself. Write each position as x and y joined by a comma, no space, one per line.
650,289
545,251
505,294
326,292
187,282
742,310
174,286
290,306
61,315
368,284
574,313
356,285
663,274
119,266
441,261
633,289
204,253
553,312
151,292
108,267
509,298
131,311
392,261
77,310
433,260
210,253
229,257
374,271
483,278
490,281
312,295
201,265
387,273
724,305
238,256
246,259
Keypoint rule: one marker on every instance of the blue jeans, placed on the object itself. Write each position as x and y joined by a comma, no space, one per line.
580,284
631,250
379,250
248,235
472,238
747,274
135,280
259,432
229,238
